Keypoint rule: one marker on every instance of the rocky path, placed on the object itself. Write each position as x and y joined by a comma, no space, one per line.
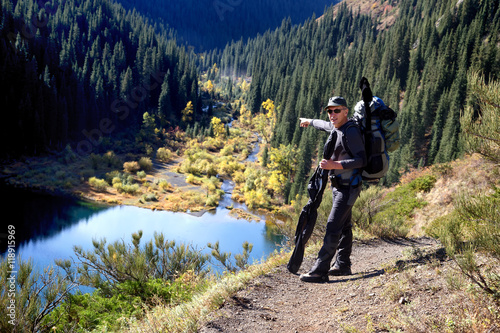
392,282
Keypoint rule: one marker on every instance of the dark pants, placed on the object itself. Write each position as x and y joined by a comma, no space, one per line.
338,234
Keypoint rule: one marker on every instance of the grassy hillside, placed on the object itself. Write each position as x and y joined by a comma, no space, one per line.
437,190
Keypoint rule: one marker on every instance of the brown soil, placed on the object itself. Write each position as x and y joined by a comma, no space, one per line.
396,285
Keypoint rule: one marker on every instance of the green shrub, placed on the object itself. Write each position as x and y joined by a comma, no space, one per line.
95,161
149,197
164,185
390,215
60,174
212,201
366,206
227,150
86,173
191,179
164,154
141,174
98,184
68,155
116,180
35,293
111,160
107,160
470,235
109,264
128,278
145,163
126,188
443,169
109,176
131,167
423,184
393,218
189,167
99,311
224,258
89,312
229,166
449,230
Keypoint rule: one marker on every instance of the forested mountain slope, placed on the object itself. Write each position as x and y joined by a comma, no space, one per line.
209,24
418,66
78,70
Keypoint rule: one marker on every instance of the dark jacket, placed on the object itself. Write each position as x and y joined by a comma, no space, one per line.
348,134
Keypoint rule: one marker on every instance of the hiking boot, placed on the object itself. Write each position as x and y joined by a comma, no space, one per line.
339,271
315,278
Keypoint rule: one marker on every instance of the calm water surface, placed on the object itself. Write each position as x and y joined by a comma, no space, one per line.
48,227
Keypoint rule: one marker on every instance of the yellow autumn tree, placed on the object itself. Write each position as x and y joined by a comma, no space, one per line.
209,86
245,116
218,127
269,106
265,122
244,85
276,182
187,113
284,159
215,69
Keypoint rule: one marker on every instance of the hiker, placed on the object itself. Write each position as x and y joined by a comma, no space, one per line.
345,176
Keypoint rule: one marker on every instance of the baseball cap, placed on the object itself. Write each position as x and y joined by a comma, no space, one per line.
336,101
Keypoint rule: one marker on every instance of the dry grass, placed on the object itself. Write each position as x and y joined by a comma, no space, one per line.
187,317
466,176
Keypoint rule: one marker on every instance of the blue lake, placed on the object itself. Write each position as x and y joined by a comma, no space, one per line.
48,227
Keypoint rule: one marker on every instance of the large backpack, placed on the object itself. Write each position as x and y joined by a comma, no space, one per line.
382,136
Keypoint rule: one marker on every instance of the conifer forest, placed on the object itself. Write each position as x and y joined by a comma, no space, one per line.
84,69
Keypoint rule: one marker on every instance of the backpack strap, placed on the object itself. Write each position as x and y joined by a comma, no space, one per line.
345,143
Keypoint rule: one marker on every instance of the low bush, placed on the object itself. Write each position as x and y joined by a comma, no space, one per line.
470,235
164,185
164,154
110,176
396,209
149,197
111,160
145,163
98,184
423,184
191,179
131,167
141,174
366,206
126,188
35,294
227,150
107,160
128,278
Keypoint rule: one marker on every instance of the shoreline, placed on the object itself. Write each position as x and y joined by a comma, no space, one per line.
88,198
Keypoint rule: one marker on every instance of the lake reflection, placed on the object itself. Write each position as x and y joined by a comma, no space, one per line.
48,227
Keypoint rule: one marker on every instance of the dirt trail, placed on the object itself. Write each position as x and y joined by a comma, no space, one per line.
391,280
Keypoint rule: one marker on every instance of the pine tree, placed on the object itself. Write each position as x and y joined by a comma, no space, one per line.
165,111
